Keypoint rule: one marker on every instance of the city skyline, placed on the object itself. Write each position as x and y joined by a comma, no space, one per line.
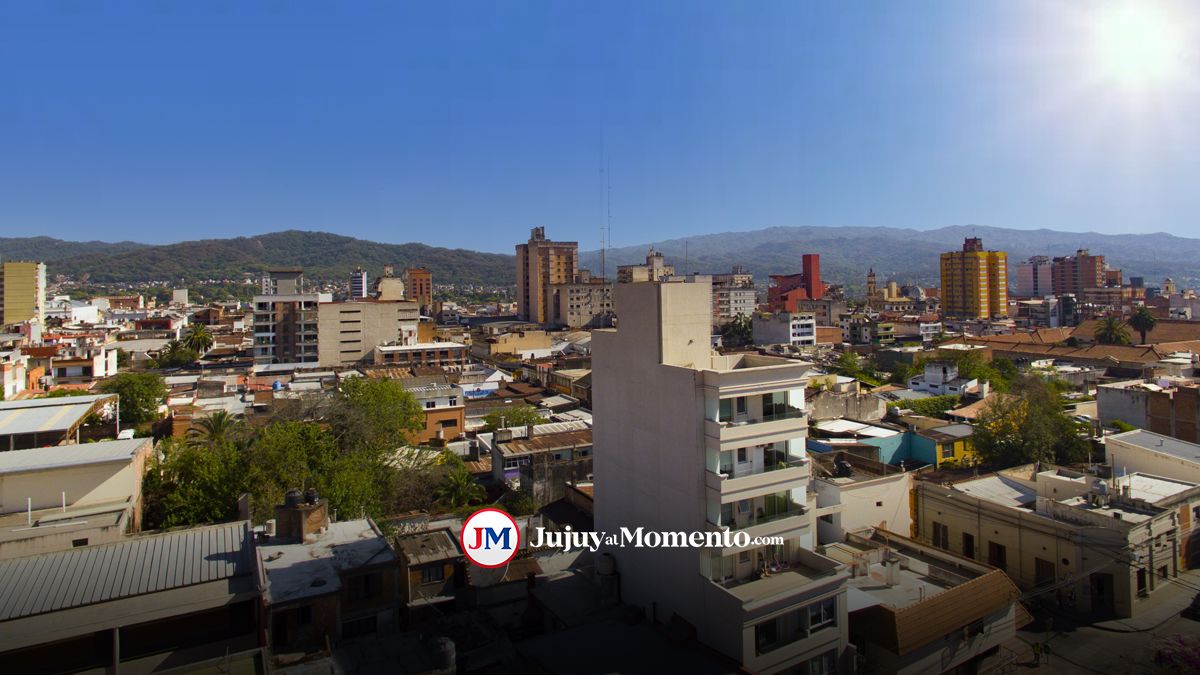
461,126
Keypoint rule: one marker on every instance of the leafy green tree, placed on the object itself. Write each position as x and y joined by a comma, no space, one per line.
219,427
123,358
174,355
198,338
1143,321
738,332
934,406
1122,426
1111,331
194,483
1028,425
140,395
460,489
516,416
379,414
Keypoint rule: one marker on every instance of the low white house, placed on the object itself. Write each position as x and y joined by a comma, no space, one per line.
941,378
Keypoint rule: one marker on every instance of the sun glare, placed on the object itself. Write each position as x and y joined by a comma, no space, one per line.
1138,44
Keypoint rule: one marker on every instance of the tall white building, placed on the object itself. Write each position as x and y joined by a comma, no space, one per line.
785,328
687,440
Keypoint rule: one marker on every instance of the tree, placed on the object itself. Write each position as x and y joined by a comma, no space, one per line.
174,355
1143,322
460,489
198,338
376,414
1028,425
1122,426
1111,331
194,483
140,395
219,427
122,358
516,416
738,332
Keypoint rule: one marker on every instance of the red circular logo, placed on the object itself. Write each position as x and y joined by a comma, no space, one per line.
490,538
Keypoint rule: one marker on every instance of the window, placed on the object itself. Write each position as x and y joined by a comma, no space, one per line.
741,405
968,541
432,573
726,410
822,615
79,542
305,615
997,555
429,404
363,586
744,557
447,424
941,535
743,506
825,664
947,452
453,401
742,458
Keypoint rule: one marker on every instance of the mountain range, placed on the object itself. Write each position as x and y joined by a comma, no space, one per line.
903,255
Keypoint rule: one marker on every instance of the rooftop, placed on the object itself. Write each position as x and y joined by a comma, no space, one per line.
312,568
1161,444
420,346
425,547
844,426
40,459
136,566
40,415
1000,490
950,432
547,442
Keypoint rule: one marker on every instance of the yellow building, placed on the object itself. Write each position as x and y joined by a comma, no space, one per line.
23,292
974,282
541,264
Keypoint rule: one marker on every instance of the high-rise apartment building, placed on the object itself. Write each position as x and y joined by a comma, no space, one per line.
1074,273
358,283
689,441
1034,279
542,264
23,292
655,269
418,286
974,282
584,303
285,319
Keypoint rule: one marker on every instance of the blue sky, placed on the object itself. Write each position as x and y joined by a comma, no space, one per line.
464,124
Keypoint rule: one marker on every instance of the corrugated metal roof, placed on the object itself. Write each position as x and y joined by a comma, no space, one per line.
71,455
46,414
136,566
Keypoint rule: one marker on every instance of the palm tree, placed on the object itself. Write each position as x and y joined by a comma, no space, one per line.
460,488
216,428
198,338
1143,322
1112,331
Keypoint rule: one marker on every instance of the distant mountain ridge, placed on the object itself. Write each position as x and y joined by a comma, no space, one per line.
906,255
322,255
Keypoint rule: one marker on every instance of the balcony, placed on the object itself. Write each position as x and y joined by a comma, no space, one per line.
743,431
775,476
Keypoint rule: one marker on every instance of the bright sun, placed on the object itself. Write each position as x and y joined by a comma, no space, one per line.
1138,44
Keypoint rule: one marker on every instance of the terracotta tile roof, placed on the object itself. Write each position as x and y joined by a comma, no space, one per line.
1167,330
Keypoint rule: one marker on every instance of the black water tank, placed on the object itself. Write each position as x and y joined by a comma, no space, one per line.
310,495
293,498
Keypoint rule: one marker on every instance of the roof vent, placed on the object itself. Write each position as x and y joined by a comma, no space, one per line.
293,498
311,496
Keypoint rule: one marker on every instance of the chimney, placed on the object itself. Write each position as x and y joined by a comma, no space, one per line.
300,515
529,431
891,570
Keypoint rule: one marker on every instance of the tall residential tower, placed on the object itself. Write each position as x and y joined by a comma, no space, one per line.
541,264
974,282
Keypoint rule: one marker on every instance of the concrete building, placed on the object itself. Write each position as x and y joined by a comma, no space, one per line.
826,311
325,581
676,402
1146,452
584,303
450,355
53,499
733,296
432,570
14,373
180,600
1174,410
22,292
444,406
655,269
358,283
542,463
1034,279
1125,400
863,329
285,319
523,344
941,378
541,264
974,282
854,492
797,330
1097,546
418,286
1077,273
786,290
917,609
349,332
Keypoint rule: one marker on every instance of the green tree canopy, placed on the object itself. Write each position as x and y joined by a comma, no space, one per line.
1028,425
198,338
516,416
738,332
1143,321
1111,331
379,414
140,395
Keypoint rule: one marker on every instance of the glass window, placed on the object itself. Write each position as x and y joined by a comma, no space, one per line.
726,412
432,574
741,405
742,456
822,615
